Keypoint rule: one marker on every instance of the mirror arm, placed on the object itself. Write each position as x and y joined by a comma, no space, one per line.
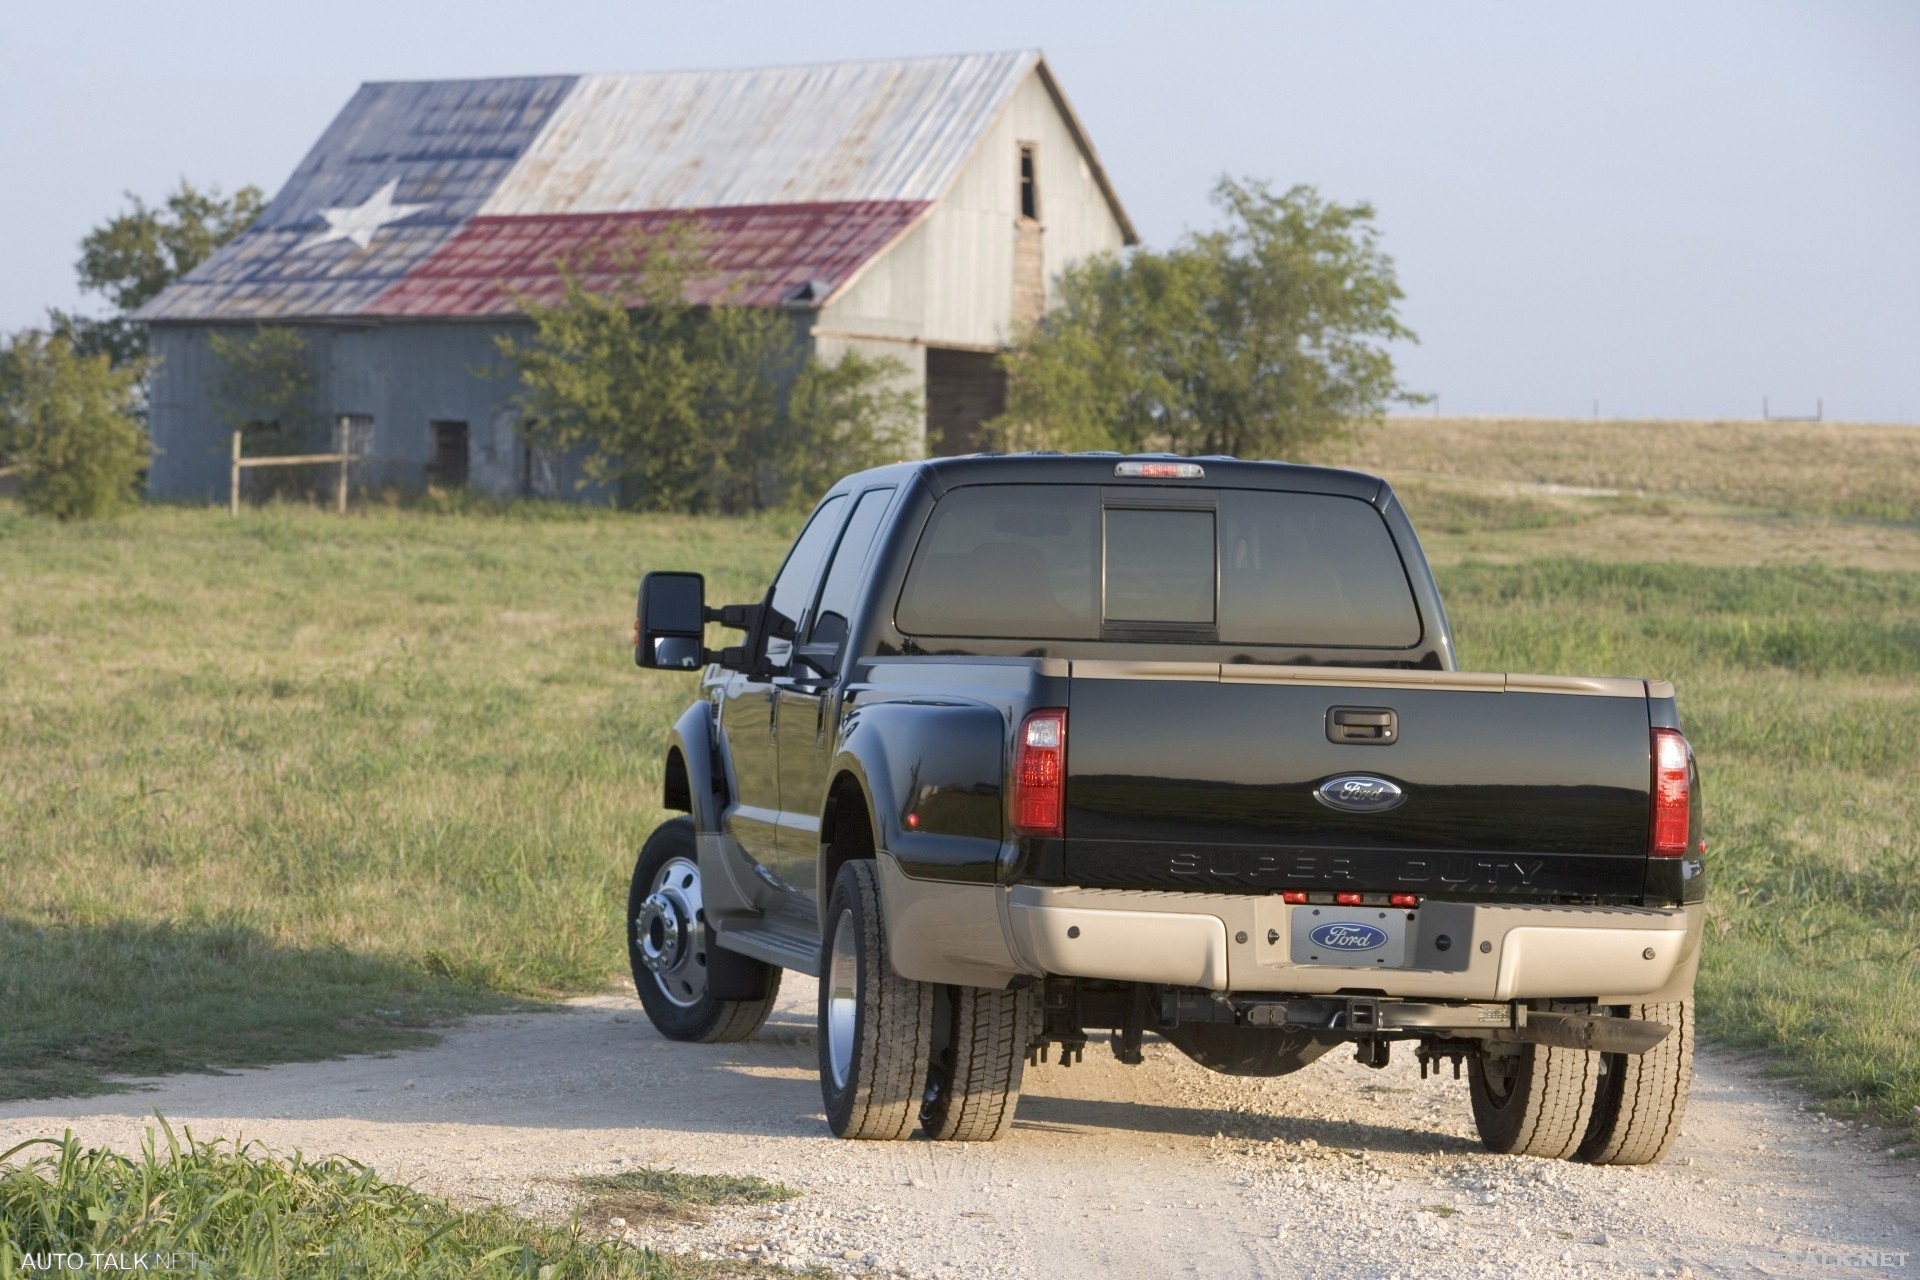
735,617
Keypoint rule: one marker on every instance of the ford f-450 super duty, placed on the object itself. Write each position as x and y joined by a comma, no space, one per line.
1018,748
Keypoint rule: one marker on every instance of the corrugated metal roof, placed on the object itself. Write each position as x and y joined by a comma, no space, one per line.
404,202
760,254
780,135
448,143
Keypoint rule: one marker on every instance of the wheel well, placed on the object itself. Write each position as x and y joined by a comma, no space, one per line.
846,829
676,791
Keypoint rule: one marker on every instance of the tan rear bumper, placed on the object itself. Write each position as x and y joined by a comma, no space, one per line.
1462,951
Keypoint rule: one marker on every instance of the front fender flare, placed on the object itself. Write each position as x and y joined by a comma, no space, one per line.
693,739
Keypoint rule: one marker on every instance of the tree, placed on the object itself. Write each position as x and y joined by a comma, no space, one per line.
133,256
1252,340
693,408
68,422
841,417
263,385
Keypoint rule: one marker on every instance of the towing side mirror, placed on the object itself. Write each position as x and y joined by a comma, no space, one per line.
671,622
669,626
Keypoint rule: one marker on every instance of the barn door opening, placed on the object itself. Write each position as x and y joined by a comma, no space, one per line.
448,468
964,389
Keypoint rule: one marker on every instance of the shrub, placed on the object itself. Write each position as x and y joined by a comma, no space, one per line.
70,425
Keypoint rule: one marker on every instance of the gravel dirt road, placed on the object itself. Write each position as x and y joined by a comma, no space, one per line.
1157,1170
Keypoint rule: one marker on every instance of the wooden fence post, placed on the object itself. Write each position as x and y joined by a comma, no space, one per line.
233,487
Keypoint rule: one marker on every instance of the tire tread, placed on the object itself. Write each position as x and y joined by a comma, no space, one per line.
894,1027
1640,1113
1548,1112
989,1050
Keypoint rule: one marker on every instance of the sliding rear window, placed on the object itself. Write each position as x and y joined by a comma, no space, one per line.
1232,566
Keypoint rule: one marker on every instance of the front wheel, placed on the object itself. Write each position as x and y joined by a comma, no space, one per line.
672,952
876,1027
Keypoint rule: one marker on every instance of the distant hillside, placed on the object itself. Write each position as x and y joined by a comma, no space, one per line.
1807,468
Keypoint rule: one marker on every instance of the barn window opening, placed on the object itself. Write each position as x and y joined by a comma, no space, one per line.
448,468
1029,184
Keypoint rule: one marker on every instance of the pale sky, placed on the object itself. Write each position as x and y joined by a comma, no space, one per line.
1668,208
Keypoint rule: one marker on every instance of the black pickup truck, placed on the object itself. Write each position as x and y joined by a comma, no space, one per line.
1021,747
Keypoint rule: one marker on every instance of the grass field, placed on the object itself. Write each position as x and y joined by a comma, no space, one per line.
291,785
213,1209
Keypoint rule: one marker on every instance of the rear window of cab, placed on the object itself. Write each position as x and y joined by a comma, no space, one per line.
1233,566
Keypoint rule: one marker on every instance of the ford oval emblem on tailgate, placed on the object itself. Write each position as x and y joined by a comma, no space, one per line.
1348,936
1359,793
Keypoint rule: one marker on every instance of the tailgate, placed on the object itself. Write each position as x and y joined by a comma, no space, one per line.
1206,777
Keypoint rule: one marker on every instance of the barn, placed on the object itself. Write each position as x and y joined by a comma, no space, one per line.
920,208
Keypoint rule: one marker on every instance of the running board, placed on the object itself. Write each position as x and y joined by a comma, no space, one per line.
774,942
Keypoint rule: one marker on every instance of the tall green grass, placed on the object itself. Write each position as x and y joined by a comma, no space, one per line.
292,785
222,1210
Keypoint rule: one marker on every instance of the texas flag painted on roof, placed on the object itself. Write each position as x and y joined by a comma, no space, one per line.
449,197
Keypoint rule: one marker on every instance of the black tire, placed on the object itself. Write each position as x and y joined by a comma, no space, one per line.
979,1054
672,953
1532,1100
1643,1096
1248,1051
875,1027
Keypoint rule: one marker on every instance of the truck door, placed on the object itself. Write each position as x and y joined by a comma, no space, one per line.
807,693
749,708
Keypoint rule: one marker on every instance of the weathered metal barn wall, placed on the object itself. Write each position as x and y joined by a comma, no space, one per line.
949,282
403,376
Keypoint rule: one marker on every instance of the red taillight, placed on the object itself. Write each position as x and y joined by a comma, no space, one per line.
1040,774
1671,795
1348,899
1294,896
1404,899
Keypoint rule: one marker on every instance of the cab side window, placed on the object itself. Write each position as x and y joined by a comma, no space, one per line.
828,635
793,589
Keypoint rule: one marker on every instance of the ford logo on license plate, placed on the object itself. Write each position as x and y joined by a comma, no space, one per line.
1348,935
1359,793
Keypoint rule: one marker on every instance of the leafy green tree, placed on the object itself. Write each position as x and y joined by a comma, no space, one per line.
693,408
263,384
852,413
69,424
1252,340
133,256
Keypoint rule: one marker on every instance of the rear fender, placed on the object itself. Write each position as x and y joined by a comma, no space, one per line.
932,775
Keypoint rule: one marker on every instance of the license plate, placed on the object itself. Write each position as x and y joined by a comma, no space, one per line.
1353,937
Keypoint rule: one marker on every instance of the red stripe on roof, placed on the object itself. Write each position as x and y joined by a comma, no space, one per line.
761,254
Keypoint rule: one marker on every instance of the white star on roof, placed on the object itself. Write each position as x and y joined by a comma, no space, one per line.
360,223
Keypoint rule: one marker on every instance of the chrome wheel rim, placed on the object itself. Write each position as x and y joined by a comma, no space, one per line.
670,933
843,982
